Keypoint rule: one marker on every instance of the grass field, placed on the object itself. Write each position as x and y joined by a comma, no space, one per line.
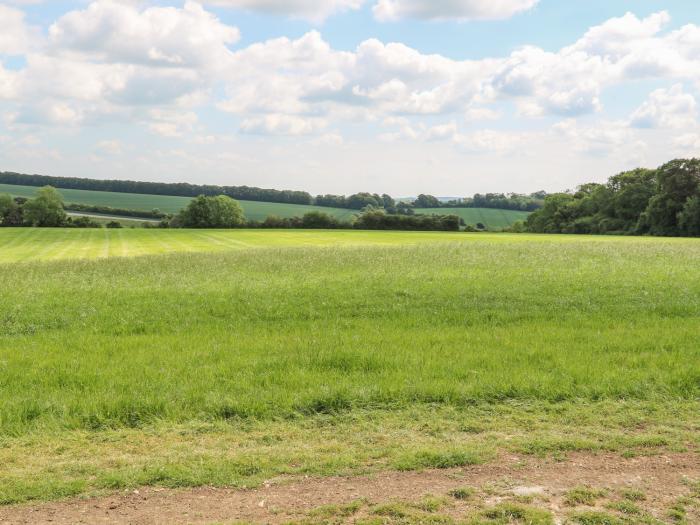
491,218
256,211
254,354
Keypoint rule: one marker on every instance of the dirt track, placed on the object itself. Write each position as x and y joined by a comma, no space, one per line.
662,478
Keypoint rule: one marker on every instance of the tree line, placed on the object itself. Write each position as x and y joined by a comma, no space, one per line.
357,201
663,202
223,212
501,201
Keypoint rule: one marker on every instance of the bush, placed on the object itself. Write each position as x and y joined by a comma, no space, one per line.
82,222
114,224
210,212
379,220
46,209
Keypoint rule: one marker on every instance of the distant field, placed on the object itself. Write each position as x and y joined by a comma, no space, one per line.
492,219
256,211
231,358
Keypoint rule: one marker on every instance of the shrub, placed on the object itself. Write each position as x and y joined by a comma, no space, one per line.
82,222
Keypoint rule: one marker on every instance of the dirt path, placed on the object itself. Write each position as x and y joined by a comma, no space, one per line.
542,483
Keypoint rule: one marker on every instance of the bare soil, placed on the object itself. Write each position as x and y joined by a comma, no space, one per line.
542,483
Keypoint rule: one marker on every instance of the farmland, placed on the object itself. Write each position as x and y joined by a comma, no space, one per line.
491,218
256,211
175,358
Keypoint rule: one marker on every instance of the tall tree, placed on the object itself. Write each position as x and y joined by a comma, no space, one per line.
211,212
46,209
426,201
677,181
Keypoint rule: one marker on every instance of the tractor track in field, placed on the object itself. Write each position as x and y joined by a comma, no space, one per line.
663,479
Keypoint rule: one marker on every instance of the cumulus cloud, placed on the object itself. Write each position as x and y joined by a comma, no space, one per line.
451,9
117,61
14,34
315,10
386,10
669,108
282,125
158,36
121,61
600,139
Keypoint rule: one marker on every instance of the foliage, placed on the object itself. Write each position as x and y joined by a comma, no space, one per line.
314,220
46,209
658,202
10,211
108,210
502,201
380,220
426,201
210,212
82,222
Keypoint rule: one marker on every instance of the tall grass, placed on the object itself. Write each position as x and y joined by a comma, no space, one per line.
284,332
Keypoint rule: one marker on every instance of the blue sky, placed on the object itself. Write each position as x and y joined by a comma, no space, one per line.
402,96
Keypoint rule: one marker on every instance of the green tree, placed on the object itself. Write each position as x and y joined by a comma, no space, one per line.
46,209
359,201
9,209
631,192
319,220
677,181
426,201
689,218
211,212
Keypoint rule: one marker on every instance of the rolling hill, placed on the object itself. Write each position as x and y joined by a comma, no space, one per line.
256,211
492,218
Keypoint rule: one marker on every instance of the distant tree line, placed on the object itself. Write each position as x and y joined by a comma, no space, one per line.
223,212
357,201
108,210
501,201
663,202
159,188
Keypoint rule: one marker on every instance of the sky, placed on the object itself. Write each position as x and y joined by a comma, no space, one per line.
447,97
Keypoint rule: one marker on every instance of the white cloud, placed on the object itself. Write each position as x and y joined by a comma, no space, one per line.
451,9
276,124
157,36
14,34
315,10
8,84
116,61
155,66
109,147
170,122
601,138
688,144
668,108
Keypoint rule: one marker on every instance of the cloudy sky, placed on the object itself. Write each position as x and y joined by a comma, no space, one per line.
448,97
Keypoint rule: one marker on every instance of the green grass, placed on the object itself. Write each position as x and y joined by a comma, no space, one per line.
39,244
243,355
256,211
491,218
